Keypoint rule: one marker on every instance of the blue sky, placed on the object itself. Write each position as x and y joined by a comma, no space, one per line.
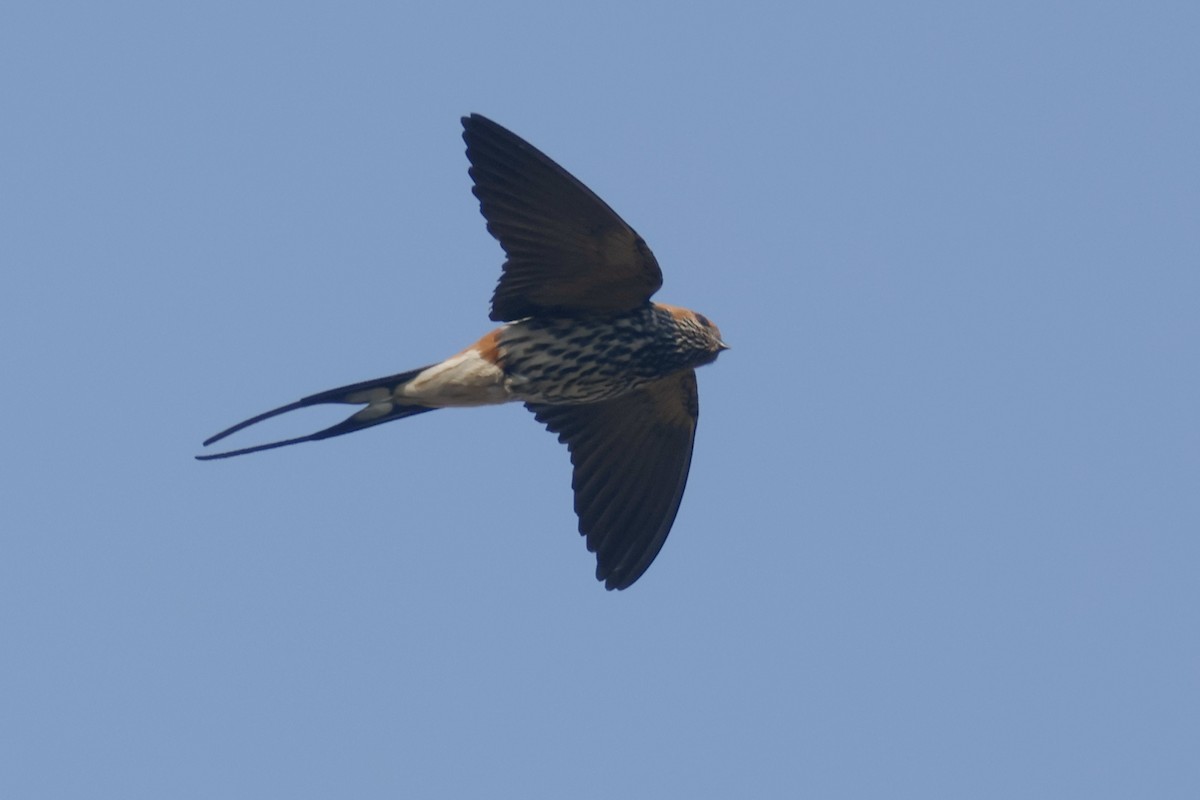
940,536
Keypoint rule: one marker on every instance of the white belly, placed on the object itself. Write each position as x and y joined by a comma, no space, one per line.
467,379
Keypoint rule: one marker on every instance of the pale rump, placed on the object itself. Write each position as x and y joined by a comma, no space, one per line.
466,379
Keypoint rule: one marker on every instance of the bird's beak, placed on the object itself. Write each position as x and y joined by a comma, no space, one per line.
722,346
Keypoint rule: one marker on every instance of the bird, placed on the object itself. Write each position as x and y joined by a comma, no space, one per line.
581,345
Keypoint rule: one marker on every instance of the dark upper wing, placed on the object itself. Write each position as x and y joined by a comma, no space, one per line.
631,458
567,250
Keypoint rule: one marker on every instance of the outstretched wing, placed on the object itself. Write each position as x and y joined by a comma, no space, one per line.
631,457
568,252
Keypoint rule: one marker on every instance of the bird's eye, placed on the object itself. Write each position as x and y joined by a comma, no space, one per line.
704,320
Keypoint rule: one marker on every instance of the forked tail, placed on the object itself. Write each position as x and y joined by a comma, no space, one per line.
377,395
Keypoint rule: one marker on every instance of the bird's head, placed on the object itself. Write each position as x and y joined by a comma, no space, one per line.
699,331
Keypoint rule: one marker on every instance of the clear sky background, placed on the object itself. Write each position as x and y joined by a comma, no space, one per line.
942,533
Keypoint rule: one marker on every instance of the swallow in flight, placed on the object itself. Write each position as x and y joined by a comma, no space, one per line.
582,346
